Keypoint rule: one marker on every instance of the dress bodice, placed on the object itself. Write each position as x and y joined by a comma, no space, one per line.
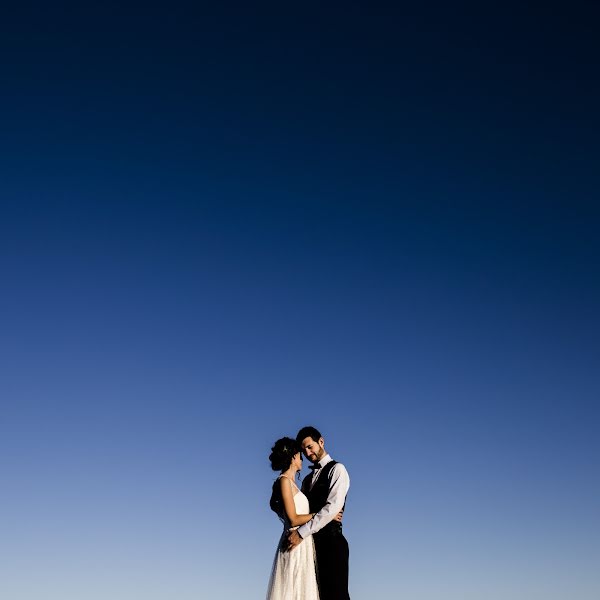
300,503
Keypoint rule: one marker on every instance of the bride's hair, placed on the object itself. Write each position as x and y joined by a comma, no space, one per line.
282,453
281,458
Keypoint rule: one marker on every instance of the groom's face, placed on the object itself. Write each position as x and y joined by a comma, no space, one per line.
313,450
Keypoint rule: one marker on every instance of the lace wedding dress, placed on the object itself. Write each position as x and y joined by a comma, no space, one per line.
293,576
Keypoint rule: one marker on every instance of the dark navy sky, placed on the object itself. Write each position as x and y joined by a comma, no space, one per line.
219,224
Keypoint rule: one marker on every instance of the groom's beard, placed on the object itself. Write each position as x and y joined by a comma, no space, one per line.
318,457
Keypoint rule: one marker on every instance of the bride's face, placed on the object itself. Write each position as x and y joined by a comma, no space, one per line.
297,461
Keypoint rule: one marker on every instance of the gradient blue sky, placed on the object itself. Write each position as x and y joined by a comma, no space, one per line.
218,225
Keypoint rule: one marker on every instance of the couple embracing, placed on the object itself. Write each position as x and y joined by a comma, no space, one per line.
311,562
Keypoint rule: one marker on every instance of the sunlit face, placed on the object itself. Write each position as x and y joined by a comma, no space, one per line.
314,451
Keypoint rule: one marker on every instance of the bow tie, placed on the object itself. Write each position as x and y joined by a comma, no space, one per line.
315,467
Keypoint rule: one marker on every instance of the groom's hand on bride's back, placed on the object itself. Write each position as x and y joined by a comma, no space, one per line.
294,538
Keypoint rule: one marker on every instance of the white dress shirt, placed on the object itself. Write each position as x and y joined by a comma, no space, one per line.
338,489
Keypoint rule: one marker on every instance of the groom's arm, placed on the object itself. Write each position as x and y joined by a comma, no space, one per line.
340,483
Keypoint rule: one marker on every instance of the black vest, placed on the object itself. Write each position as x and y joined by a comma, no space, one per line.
317,497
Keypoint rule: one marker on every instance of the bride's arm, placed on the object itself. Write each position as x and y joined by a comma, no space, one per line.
289,506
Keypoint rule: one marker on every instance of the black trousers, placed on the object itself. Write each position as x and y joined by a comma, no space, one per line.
332,565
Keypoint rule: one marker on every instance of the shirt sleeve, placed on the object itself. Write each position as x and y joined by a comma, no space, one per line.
340,484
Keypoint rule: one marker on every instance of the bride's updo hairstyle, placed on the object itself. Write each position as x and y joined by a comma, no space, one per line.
282,453
281,458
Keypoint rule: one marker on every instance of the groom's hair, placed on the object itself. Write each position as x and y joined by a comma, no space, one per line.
310,432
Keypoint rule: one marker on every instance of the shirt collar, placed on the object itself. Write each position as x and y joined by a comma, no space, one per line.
324,461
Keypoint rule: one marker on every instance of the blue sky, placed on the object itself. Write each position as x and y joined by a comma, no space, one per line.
219,226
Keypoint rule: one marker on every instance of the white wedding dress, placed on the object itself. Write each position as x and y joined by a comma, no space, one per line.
293,576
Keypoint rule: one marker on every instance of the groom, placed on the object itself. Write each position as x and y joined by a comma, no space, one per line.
326,489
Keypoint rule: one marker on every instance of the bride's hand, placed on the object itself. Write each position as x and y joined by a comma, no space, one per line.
293,539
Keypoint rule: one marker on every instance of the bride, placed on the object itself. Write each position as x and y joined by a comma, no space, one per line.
293,576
